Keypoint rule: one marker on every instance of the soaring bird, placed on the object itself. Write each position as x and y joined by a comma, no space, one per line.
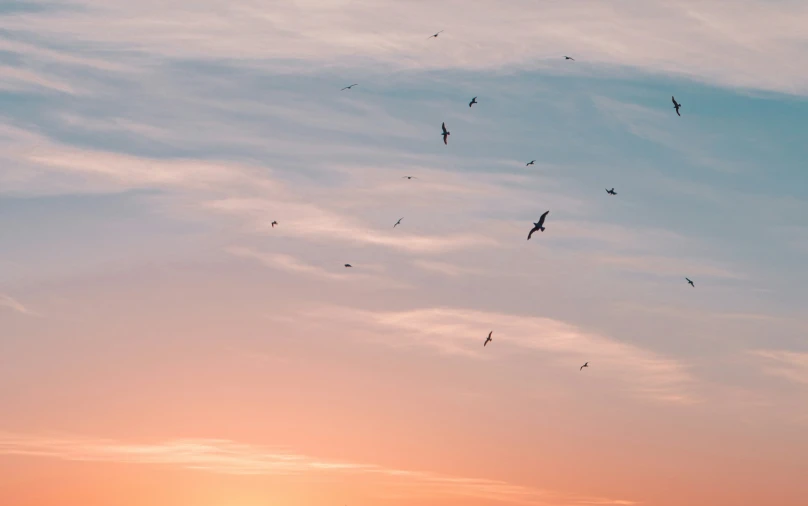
585,365
408,177
349,87
676,105
531,162
274,223
399,221
473,101
488,339
611,192
539,225
436,35
348,265
691,282
446,133
568,58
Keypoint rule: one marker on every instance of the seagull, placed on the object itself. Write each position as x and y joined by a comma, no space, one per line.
531,162
446,133
691,282
585,365
539,225
488,339
436,35
274,223
568,58
408,177
473,101
676,105
611,192
348,265
349,87
399,221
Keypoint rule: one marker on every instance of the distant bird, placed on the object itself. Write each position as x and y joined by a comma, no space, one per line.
691,282
348,265
585,365
488,339
435,36
399,221
568,58
676,105
274,223
611,192
408,177
349,87
539,225
531,162
473,101
446,133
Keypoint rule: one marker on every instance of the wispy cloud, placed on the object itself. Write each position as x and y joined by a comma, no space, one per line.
285,263
228,457
459,332
791,365
15,305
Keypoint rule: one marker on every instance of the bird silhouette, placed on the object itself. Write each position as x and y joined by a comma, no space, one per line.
473,101
348,265
531,162
349,87
399,221
585,365
488,339
408,177
611,192
435,35
274,223
676,105
446,133
539,225
691,282
568,58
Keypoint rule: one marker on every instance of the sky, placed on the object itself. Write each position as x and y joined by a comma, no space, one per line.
162,344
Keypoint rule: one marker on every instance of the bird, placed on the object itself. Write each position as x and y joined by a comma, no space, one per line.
611,192
488,339
691,282
676,105
399,221
473,101
349,87
435,36
585,365
539,225
348,265
274,223
531,162
408,177
569,58
446,133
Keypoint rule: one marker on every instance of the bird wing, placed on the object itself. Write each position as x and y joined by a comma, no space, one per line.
677,112
445,139
443,127
541,220
531,232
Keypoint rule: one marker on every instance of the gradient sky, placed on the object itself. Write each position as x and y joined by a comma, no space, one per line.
161,344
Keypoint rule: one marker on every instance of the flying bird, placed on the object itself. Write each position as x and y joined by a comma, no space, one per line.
585,365
473,101
408,177
611,192
568,58
348,265
446,133
435,36
691,282
539,225
349,87
676,105
399,221
274,223
531,162
488,339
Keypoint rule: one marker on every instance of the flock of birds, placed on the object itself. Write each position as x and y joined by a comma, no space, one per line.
537,226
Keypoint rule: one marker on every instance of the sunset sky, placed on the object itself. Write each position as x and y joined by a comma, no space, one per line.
162,345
